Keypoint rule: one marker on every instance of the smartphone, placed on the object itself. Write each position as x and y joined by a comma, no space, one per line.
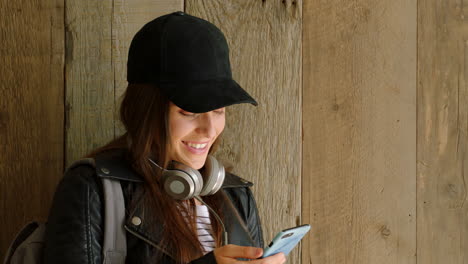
286,240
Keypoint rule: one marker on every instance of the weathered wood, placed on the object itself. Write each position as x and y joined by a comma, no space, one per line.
31,111
264,143
129,17
90,103
442,132
359,127
98,36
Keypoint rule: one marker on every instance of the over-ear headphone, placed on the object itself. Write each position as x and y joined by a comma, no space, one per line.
182,182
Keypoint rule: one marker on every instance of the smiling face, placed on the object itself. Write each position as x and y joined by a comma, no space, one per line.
191,135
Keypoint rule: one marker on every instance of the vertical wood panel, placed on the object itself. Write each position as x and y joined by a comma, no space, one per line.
98,36
359,116
442,132
263,143
31,111
89,77
129,17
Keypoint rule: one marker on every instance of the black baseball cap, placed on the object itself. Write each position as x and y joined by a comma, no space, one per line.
188,59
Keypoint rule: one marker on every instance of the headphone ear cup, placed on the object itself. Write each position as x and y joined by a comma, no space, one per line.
182,182
177,184
213,176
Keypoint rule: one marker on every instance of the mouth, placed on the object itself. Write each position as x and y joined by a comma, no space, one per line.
196,147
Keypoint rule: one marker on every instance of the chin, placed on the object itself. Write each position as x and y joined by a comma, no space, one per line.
198,164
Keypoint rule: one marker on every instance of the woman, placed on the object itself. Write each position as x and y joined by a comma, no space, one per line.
174,111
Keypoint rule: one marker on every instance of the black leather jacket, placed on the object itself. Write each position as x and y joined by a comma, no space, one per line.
75,225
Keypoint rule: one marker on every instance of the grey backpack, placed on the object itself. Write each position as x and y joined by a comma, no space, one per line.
28,244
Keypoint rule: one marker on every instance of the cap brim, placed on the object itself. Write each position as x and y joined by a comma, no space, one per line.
205,96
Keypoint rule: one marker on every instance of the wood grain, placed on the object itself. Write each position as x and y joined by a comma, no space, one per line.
442,132
128,18
98,37
31,111
264,143
359,127
90,103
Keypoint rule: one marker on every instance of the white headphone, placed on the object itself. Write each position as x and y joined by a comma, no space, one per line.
182,182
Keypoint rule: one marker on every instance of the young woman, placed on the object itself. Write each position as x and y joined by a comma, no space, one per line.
174,112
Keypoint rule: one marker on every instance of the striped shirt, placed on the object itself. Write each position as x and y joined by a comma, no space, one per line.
204,228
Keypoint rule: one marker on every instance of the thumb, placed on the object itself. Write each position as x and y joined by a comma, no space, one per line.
235,251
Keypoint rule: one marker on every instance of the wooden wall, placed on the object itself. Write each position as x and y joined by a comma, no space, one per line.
360,130
359,123
31,111
442,222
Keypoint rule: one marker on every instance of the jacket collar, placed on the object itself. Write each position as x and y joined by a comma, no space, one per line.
112,164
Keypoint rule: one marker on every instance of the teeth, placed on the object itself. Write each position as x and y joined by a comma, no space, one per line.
197,146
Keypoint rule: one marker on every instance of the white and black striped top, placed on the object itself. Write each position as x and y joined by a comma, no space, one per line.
204,228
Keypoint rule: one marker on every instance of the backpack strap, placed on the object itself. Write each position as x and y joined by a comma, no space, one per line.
27,245
115,244
114,249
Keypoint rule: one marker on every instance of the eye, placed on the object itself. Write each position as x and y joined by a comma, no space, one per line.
185,113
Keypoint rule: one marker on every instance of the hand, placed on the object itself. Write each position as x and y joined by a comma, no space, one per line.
228,254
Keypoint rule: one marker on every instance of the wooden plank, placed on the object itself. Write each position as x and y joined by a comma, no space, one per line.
359,123
129,17
89,77
98,36
264,143
31,111
442,131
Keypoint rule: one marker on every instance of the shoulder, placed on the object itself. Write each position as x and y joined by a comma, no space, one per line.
109,164
233,181
80,173
236,188
85,175
239,192
78,188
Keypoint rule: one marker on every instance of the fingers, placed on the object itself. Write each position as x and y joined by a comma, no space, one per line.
234,251
228,255
279,258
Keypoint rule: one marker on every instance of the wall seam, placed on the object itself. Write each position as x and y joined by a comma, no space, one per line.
113,70
301,143
416,136
65,108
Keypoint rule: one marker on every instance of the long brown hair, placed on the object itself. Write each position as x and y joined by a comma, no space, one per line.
144,114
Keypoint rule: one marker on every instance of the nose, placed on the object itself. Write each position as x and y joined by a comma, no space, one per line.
206,125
